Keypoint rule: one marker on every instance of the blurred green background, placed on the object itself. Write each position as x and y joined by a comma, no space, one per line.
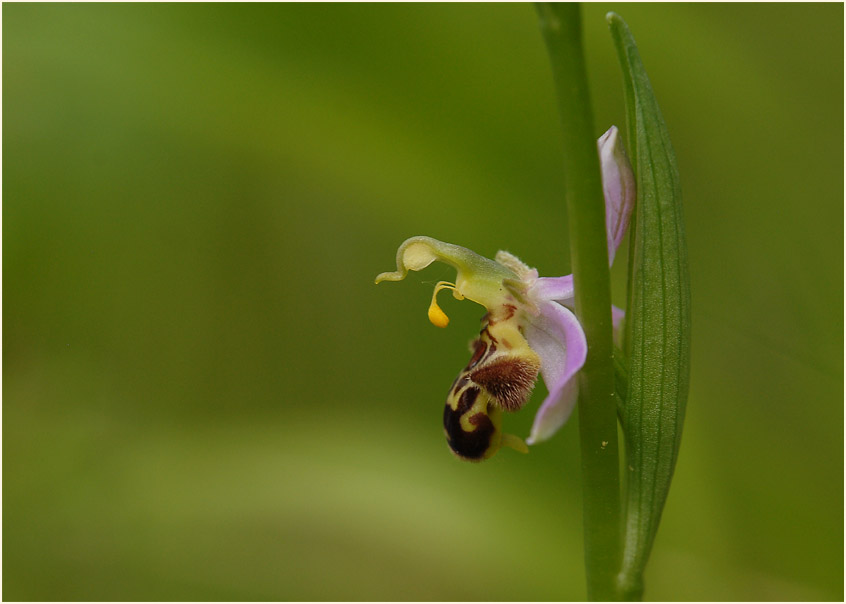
206,397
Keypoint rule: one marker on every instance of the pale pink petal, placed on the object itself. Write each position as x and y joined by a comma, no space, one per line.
618,184
553,288
558,339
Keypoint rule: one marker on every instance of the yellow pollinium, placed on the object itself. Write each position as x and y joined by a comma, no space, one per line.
436,315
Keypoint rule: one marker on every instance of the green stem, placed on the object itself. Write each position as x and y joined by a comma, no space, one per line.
561,26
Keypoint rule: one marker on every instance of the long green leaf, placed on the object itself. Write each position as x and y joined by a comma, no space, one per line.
657,339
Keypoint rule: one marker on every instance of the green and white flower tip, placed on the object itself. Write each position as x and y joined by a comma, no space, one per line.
478,279
529,327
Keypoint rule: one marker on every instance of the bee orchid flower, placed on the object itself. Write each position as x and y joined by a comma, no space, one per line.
529,327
